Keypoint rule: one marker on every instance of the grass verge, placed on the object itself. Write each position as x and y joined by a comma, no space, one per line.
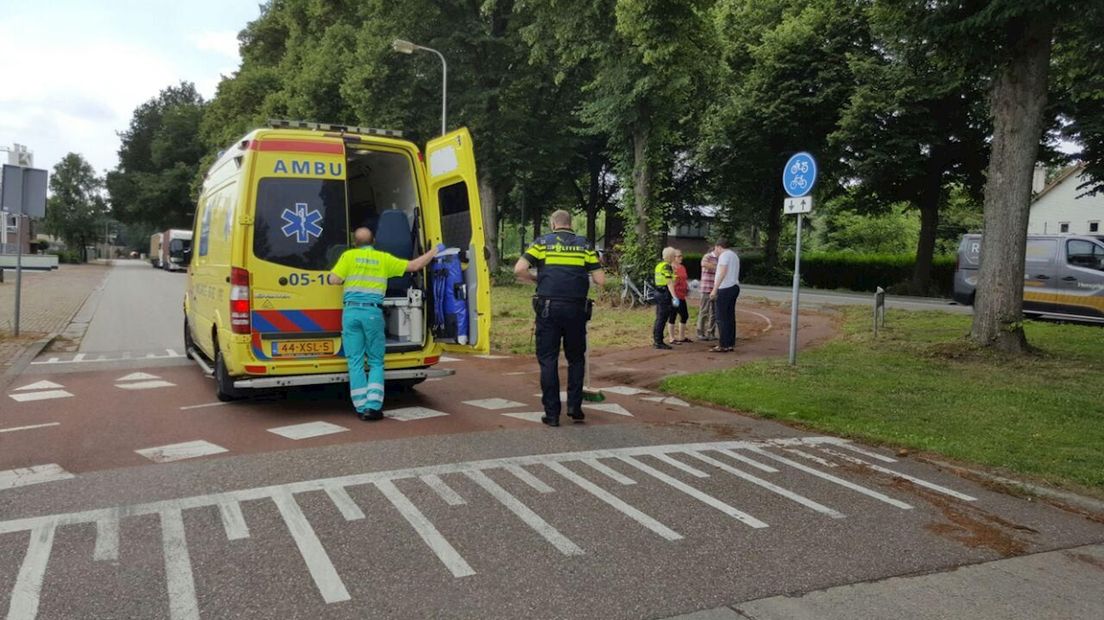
610,328
921,385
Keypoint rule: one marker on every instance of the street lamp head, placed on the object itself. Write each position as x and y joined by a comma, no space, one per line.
403,47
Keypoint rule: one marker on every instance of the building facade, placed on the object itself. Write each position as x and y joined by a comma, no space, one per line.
1061,208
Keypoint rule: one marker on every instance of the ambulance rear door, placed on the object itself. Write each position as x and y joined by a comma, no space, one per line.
454,197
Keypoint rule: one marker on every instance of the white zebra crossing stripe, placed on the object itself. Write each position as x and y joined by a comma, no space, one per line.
609,472
704,498
840,481
233,521
615,502
178,568
529,479
437,543
345,504
407,414
804,501
452,498
107,541
181,451
318,561
896,474
680,465
28,585
307,430
35,474
530,518
24,397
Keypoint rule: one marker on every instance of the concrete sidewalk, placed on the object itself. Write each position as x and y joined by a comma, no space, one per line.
48,300
1055,584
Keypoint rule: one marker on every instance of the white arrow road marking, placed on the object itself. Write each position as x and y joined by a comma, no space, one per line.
609,408
181,451
144,385
138,376
494,403
307,430
47,395
40,385
406,414
35,474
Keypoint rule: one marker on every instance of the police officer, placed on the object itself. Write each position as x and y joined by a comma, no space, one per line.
364,271
665,300
565,265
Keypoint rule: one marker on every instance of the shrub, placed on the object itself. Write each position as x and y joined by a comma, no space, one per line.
846,270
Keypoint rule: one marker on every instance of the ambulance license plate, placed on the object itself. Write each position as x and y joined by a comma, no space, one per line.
292,348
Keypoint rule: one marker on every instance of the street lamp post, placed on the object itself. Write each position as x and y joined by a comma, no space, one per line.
406,47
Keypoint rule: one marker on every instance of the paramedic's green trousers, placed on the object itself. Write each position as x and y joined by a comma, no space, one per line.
362,335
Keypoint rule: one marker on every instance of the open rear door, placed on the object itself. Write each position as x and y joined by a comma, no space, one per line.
454,196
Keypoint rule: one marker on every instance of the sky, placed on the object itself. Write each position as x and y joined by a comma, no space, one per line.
72,72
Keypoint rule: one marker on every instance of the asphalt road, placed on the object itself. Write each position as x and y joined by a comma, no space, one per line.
814,298
139,309
127,490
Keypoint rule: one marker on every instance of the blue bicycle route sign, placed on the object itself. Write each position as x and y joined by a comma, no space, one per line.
799,175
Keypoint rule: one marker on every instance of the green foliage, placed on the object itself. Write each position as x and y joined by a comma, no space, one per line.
893,232
76,206
159,160
920,385
866,272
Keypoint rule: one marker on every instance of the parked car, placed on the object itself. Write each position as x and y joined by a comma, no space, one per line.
1063,275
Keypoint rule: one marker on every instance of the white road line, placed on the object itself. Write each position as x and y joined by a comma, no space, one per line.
35,474
896,474
697,473
615,502
345,504
432,538
40,385
144,385
107,540
529,479
704,498
624,390
318,562
28,585
790,495
843,443
233,521
530,518
770,324
743,459
137,376
216,404
829,477
32,396
528,416
452,498
609,472
307,430
27,428
173,353
406,414
811,457
178,568
79,357
666,400
181,451
494,403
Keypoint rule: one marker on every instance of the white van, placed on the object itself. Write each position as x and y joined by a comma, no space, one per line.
1063,275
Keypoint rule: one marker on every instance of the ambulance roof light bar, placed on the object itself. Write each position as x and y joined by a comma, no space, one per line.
368,131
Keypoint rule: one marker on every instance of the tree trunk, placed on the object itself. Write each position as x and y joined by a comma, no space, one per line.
488,199
642,185
1018,98
929,225
774,232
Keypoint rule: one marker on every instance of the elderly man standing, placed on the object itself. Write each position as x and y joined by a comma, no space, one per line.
565,265
707,316
364,271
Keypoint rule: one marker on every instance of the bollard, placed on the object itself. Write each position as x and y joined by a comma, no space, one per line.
879,309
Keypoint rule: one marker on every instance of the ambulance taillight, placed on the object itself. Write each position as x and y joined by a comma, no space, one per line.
239,300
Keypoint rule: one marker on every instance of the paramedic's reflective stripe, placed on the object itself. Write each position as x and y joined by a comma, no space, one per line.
375,279
663,273
369,289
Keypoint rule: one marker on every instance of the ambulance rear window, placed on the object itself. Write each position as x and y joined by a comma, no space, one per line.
300,223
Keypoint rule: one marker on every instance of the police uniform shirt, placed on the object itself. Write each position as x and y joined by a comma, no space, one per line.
664,273
365,272
564,261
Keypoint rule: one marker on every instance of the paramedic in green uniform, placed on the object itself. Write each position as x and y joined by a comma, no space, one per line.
364,271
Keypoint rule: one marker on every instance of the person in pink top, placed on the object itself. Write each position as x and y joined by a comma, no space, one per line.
681,312
707,315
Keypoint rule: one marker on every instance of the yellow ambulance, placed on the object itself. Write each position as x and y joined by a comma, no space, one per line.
276,211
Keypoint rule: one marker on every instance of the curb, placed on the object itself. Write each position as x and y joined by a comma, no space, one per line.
32,350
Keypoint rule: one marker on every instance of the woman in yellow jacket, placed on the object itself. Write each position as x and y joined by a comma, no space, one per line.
665,296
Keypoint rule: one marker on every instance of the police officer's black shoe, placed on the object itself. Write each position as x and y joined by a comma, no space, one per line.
577,416
550,421
662,345
370,415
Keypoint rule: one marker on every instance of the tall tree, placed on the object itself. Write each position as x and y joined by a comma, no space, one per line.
76,206
914,127
159,158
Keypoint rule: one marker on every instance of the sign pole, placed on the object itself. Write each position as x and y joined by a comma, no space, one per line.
18,269
796,294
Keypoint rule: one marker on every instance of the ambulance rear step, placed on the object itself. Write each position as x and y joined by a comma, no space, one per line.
339,377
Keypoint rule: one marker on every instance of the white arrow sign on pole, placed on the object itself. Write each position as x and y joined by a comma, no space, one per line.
793,206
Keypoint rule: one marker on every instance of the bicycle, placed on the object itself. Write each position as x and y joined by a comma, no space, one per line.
631,295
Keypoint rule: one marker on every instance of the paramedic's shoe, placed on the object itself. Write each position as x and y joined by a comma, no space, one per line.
370,415
550,421
576,416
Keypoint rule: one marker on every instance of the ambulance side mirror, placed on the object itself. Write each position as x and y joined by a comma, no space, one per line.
186,257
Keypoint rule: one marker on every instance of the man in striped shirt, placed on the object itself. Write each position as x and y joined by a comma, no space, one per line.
707,318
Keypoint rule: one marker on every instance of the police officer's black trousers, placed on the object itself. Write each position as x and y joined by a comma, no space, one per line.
663,314
561,320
